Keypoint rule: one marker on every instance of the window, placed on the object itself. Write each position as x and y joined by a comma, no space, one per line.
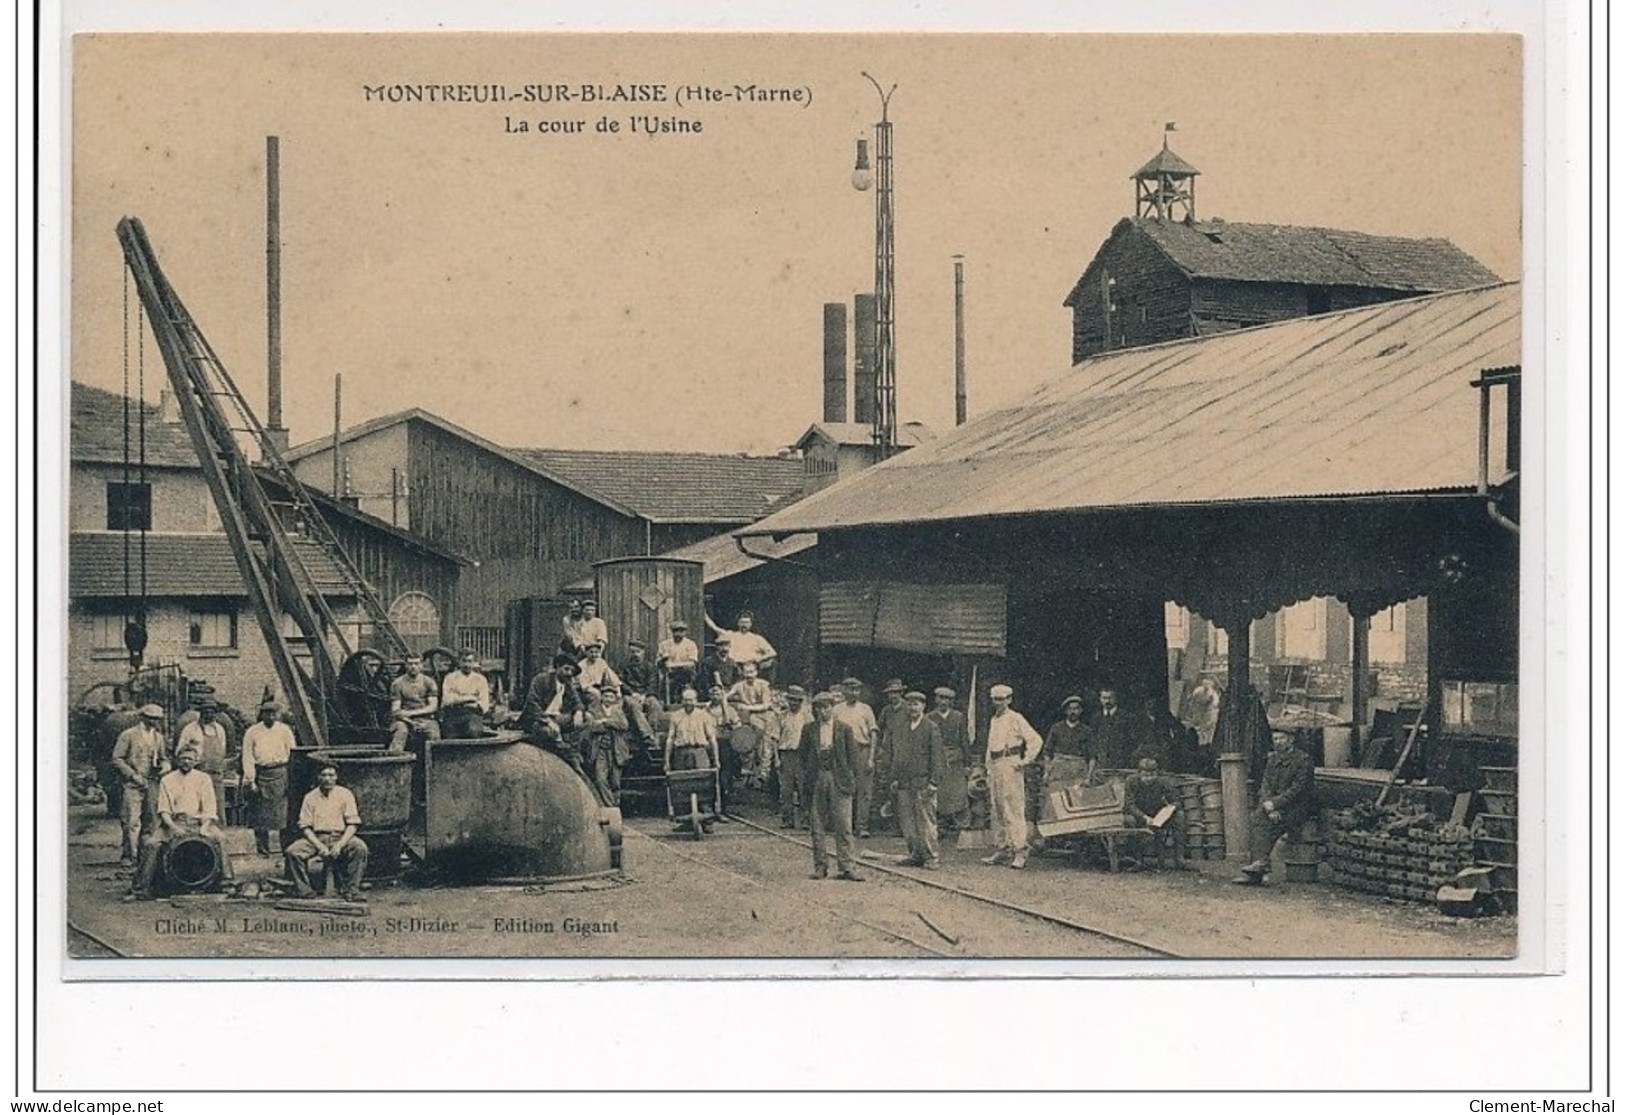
417,619
107,633
1301,629
1388,635
129,506
212,630
1218,640
1176,625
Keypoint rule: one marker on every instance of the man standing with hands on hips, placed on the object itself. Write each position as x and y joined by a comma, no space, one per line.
1012,745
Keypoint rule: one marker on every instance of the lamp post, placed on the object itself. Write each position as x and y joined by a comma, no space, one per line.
885,422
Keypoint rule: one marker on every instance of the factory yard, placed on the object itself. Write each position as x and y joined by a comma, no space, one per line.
746,892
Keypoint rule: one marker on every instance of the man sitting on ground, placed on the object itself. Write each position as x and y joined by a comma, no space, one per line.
186,806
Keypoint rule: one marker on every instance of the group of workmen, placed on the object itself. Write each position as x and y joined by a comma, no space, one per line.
172,789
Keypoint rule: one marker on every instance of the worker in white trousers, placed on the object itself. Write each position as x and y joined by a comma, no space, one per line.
1012,745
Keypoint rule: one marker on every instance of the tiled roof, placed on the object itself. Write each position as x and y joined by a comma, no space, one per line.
96,431
861,433
178,565
1374,401
675,487
1315,256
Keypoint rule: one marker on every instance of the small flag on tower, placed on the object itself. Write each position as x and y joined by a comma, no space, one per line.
1170,127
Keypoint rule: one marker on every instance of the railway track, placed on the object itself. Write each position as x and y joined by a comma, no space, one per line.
984,899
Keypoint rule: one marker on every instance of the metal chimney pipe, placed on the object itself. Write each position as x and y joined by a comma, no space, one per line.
834,361
273,291
865,365
338,417
959,340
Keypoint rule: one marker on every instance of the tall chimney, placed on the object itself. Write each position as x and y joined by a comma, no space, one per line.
273,293
338,426
959,340
834,361
864,367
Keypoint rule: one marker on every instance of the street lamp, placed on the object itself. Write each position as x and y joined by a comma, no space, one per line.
885,427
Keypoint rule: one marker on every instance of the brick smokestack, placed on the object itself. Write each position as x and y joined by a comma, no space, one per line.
277,432
834,361
864,360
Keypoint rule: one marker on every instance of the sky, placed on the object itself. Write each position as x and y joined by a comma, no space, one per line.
625,290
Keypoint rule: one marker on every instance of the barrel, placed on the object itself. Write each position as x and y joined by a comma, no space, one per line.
638,597
191,864
382,785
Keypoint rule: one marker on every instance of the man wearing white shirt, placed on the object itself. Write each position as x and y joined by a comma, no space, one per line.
186,805
745,645
465,698
1012,745
678,658
595,668
267,746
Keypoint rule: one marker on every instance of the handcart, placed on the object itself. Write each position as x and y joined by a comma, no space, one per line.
694,799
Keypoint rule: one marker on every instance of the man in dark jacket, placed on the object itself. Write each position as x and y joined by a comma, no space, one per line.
830,760
1117,735
1286,799
917,769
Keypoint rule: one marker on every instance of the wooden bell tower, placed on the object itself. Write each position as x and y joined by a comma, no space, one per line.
1165,187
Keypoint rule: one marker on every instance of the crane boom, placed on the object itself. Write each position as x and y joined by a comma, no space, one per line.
274,541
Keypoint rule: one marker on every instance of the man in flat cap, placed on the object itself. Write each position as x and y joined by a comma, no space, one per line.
953,794
1012,746
891,716
678,659
208,734
139,758
267,748
1071,736
916,768
596,671
793,797
636,676
830,758
859,719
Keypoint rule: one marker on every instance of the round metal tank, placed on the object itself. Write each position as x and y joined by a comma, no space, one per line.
506,809
191,864
382,785
639,597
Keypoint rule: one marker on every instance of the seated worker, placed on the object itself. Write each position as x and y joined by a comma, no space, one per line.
558,719
593,629
691,737
1286,799
595,668
1146,793
465,698
636,675
328,819
186,806
413,701
678,659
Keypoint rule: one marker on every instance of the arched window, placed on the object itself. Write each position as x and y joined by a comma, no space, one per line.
416,617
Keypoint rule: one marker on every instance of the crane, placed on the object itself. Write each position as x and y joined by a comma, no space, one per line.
291,562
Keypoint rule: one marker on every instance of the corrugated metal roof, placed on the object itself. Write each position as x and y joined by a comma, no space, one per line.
1364,402
96,431
676,487
1315,256
178,565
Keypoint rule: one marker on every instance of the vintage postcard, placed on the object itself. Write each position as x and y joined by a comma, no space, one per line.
934,499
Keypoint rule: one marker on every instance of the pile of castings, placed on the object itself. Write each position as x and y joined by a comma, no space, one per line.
1400,852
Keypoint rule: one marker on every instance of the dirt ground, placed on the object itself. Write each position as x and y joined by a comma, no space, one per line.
747,893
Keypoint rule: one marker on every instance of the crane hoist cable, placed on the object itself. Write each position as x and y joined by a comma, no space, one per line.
135,618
